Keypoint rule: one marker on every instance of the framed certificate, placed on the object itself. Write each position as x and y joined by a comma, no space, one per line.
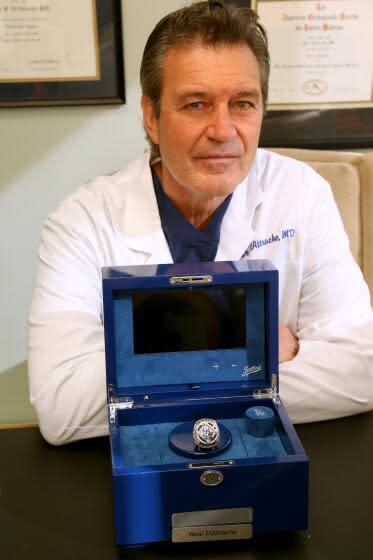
321,80
60,53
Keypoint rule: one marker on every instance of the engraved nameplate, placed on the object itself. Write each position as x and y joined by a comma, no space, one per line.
212,517
212,533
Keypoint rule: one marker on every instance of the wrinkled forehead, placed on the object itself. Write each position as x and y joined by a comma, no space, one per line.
200,67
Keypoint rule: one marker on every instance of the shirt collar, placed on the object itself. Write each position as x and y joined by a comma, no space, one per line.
186,242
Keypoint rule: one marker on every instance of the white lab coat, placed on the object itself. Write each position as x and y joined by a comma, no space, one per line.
283,211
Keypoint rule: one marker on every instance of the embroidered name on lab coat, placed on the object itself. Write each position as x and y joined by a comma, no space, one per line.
274,238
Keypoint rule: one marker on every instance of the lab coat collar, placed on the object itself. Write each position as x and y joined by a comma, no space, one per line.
237,230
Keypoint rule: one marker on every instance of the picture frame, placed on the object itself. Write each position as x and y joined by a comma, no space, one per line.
321,126
81,68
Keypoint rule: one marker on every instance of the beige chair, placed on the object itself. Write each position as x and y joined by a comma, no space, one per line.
351,178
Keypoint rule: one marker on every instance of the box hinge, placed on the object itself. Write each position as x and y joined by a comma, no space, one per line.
116,404
119,404
270,393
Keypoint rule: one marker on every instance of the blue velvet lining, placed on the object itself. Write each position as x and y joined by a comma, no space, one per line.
170,368
147,444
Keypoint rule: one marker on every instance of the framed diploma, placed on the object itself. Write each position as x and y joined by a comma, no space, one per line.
321,81
55,52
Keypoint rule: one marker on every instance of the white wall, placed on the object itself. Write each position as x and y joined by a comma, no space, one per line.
45,153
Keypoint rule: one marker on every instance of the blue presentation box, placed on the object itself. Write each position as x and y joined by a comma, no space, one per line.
193,341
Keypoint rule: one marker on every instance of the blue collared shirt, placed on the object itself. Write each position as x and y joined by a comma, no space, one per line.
186,242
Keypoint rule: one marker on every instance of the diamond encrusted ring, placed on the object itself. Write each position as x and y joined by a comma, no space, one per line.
206,434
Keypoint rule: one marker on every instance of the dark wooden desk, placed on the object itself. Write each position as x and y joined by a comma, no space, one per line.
56,503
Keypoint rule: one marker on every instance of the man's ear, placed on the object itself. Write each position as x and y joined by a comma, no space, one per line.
149,118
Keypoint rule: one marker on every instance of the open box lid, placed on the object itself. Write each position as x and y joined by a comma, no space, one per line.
208,327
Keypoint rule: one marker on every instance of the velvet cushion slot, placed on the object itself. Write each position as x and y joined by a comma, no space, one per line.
148,444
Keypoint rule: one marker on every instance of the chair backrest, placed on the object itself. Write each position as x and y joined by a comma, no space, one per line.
351,178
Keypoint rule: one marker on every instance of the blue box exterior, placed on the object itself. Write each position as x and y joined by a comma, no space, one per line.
275,488
145,498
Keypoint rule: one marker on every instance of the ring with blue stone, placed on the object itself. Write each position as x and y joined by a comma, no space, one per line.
260,421
206,433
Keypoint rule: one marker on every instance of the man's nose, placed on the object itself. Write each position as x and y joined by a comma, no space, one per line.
220,126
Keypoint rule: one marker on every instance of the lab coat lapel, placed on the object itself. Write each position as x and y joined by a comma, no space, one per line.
237,230
150,249
142,225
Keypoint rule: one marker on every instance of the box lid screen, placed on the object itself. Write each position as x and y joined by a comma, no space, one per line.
188,320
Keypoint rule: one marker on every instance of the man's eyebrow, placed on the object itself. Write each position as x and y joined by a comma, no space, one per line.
196,94
186,95
251,93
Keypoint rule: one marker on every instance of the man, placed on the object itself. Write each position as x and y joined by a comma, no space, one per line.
206,192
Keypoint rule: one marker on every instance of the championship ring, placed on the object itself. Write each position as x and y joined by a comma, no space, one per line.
206,434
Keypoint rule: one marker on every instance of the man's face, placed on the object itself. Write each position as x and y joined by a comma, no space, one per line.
210,117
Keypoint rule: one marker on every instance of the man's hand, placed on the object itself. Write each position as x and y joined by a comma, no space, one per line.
288,344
